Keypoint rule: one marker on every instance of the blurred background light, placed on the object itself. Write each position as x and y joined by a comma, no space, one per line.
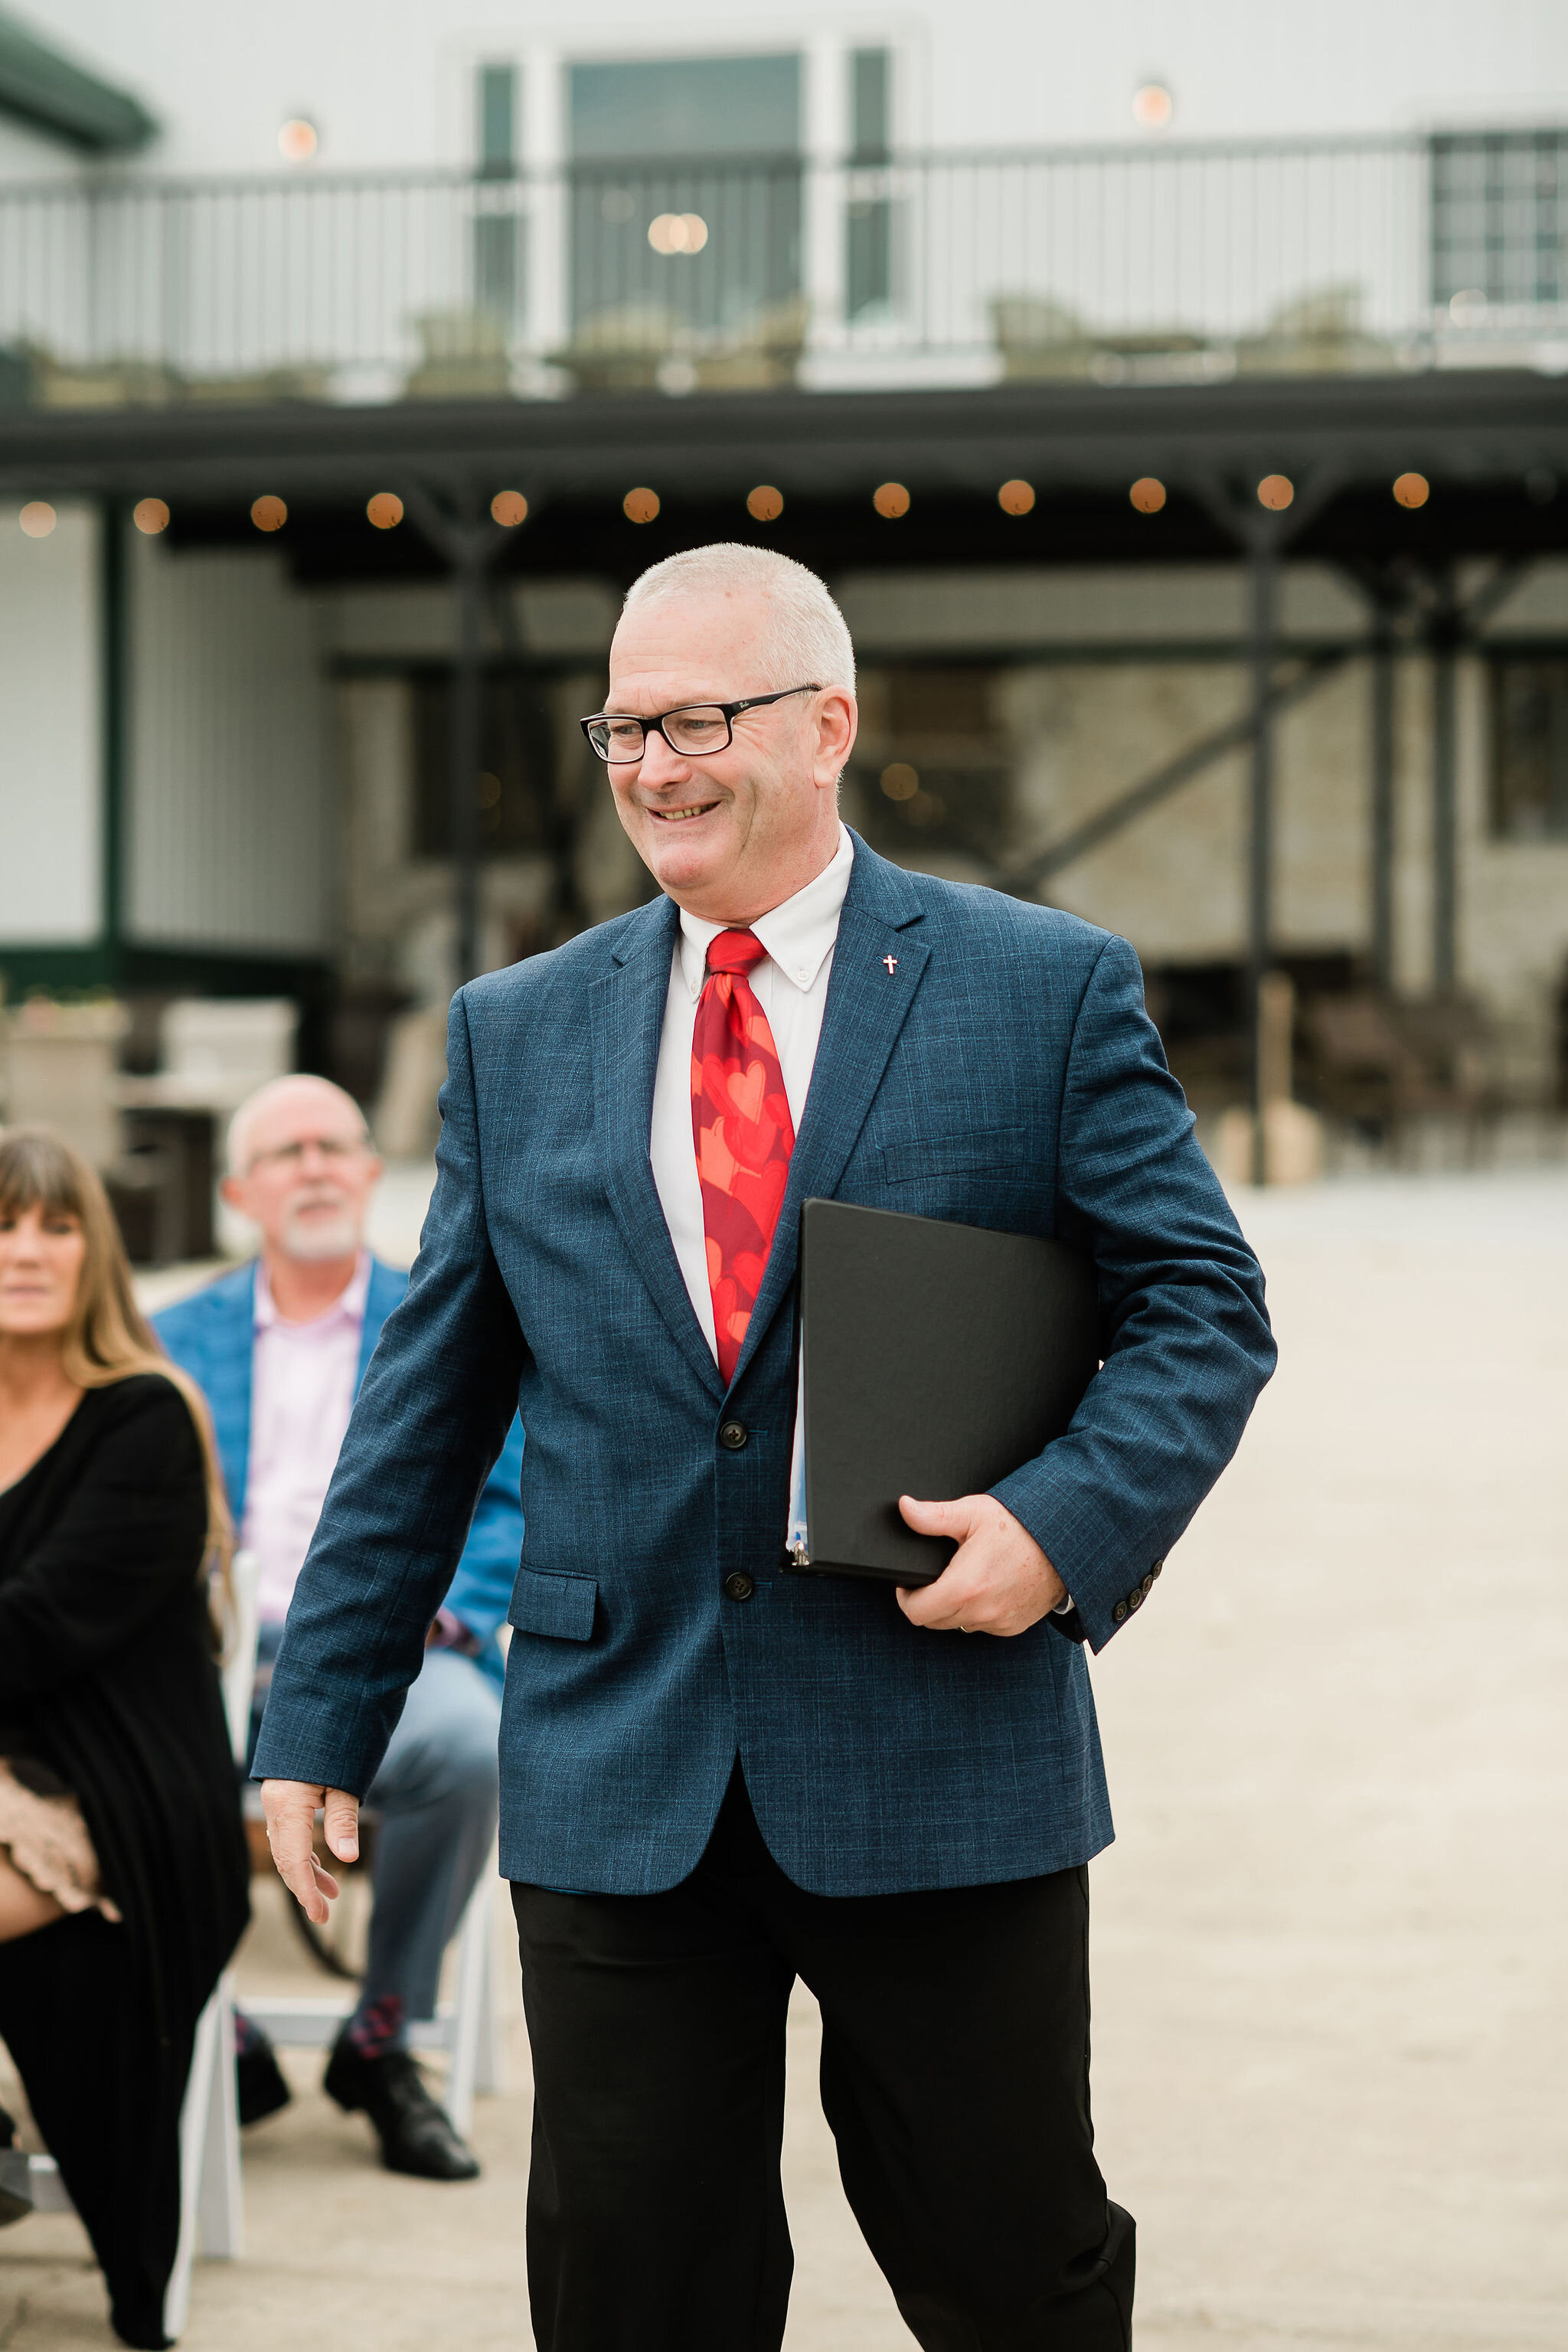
640,506
509,508
1468,306
1276,491
891,500
150,515
1412,489
1016,498
298,138
36,519
678,233
385,510
901,782
765,504
1147,494
1153,106
268,513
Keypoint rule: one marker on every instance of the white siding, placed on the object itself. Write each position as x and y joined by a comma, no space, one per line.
51,731
26,155
391,81
230,823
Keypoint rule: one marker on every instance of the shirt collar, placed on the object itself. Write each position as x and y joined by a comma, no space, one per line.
799,935
347,1308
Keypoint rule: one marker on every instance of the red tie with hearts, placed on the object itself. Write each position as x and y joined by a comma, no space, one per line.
743,1133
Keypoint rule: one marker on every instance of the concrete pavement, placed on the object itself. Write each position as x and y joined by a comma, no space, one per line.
1329,1941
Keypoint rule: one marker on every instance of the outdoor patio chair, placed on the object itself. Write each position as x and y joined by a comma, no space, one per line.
466,2029
212,2207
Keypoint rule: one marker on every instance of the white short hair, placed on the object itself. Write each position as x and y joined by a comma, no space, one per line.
256,1105
808,641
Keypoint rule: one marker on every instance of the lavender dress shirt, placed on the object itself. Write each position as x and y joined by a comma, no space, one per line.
303,1379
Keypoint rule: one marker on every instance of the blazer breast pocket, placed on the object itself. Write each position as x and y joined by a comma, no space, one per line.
561,1607
986,1151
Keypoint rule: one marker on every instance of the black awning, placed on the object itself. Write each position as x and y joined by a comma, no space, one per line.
46,91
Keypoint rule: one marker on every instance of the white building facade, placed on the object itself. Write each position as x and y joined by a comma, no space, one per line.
231,759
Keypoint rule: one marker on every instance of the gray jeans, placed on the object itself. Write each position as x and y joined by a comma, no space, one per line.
436,1794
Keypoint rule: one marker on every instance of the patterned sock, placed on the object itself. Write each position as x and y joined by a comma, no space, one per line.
247,2036
377,2026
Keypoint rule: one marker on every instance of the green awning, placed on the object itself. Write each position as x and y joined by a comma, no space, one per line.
46,91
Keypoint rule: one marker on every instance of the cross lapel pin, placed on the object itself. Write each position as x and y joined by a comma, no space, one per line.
892,963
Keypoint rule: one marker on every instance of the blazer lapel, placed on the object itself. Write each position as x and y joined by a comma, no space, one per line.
876,967
627,1008
385,1289
228,1380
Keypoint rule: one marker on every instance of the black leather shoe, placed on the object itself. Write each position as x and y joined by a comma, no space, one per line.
259,2080
15,2175
416,2136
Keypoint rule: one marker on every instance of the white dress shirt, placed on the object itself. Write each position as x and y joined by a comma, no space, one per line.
303,1377
791,986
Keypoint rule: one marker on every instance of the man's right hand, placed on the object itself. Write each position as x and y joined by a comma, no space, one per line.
290,1807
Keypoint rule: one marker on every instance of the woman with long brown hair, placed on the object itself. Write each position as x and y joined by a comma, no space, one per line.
123,1877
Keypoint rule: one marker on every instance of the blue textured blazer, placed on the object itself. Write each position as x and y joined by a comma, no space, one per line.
211,1335
1004,1073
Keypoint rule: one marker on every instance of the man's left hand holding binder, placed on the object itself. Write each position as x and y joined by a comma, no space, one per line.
998,1581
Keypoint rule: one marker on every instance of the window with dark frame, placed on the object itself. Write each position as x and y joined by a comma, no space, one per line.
498,121
934,762
707,145
870,227
1499,217
495,226
516,782
1530,746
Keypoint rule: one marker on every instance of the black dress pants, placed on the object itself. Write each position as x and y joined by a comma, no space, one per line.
106,2094
954,2076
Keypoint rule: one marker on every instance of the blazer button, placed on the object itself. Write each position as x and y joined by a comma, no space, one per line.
1136,1598
1120,1612
740,1586
732,1436
1148,1584
1155,1565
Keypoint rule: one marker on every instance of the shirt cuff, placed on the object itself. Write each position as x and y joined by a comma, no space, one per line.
449,1633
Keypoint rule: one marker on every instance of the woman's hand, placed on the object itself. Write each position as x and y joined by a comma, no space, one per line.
290,1807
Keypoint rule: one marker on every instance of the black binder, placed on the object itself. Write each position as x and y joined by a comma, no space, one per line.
937,1358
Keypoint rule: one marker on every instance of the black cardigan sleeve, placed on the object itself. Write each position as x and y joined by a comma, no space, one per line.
129,1540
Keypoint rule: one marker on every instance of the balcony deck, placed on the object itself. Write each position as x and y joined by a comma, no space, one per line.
1170,264
1491,447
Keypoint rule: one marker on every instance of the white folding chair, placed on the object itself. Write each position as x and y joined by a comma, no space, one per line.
466,2027
212,2210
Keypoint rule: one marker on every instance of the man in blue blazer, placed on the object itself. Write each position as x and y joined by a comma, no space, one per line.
717,1775
281,1349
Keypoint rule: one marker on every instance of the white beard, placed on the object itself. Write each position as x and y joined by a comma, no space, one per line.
312,1241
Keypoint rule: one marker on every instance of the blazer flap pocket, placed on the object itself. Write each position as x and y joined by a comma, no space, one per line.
955,1155
562,1606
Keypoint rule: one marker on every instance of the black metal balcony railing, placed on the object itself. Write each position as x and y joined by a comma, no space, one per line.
1173,263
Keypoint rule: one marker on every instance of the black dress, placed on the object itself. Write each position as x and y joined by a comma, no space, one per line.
108,1681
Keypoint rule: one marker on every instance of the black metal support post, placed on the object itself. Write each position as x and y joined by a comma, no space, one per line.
114,620
1260,831
1444,818
463,753
1382,821
1263,524
471,547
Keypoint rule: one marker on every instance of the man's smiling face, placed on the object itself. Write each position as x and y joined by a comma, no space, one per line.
729,834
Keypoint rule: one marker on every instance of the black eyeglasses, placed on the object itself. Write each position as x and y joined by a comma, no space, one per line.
691,732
